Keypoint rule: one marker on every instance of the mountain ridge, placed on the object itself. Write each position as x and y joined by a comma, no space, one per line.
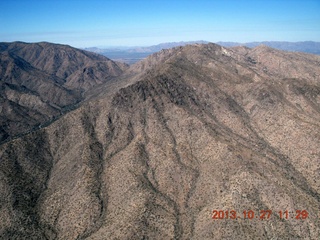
43,80
132,55
302,46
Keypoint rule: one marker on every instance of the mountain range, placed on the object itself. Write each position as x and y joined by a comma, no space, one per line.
194,142
132,55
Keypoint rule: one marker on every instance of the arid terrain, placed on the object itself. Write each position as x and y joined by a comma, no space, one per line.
41,81
152,151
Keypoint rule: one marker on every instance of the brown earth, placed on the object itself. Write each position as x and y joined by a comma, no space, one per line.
154,152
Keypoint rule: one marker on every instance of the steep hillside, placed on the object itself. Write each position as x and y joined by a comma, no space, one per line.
186,132
40,81
80,69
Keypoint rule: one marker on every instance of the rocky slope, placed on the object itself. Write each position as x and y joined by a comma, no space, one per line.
40,81
188,131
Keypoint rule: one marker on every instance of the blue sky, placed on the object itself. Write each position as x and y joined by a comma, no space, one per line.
147,22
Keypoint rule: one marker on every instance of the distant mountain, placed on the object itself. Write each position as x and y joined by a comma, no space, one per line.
40,81
131,55
194,142
159,47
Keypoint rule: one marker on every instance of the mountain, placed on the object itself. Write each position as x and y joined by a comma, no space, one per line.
307,46
131,55
40,81
161,46
187,135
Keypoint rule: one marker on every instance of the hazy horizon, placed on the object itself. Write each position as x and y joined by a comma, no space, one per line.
99,23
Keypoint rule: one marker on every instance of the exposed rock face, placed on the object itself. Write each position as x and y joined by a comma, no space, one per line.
40,81
203,128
